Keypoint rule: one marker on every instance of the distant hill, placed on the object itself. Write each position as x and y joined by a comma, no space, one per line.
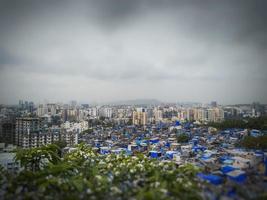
136,102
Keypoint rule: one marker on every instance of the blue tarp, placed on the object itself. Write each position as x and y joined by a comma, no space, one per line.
138,142
104,150
167,144
231,192
223,158
237,176
169,154
187,125
227,168
213,179
255,133
195,141
154,154
154,140
198,148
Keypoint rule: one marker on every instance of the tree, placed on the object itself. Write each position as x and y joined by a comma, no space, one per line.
251,142
250,123
85,174
182,138
35,159
87,131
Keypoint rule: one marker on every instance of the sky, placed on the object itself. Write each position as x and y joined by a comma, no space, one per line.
111,50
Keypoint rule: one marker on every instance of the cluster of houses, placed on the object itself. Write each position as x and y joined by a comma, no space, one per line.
223,164
226,169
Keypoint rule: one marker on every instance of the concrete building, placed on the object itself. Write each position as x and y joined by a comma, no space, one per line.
157,115
7,131
42,110
93,112
70,137
7,161
215,115
31,132
139,117
105,112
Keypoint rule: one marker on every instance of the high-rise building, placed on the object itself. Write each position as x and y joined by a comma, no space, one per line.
25,128
7,132
219,114
31,132
21,104
139,117
70,137
215,114
105,112
42,110
73,104
190,114
93,111
213,104
202,115
157,115
26,105
31,107
64,115
52,109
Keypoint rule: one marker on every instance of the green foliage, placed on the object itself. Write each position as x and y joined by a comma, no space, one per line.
129,122
250,123
85,174
61,144
182,138
251,142
35,158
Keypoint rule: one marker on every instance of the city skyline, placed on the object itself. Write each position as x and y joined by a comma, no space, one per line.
130,102
114,50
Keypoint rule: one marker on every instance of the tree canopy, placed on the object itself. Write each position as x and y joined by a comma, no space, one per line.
250,123
182,138
251,142
85,174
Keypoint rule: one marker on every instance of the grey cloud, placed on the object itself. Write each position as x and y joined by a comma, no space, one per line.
135,47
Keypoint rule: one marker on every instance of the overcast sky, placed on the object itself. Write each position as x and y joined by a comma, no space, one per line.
108,50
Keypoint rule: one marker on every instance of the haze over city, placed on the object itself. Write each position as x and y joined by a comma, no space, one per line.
109,50
133,99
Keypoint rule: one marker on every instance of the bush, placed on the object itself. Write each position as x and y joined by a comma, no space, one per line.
85,174
250,123
251,142
183,138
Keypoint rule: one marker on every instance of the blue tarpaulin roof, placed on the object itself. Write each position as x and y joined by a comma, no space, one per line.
154,154
227,168
199,148
223,158
238,176
213,179
187,125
